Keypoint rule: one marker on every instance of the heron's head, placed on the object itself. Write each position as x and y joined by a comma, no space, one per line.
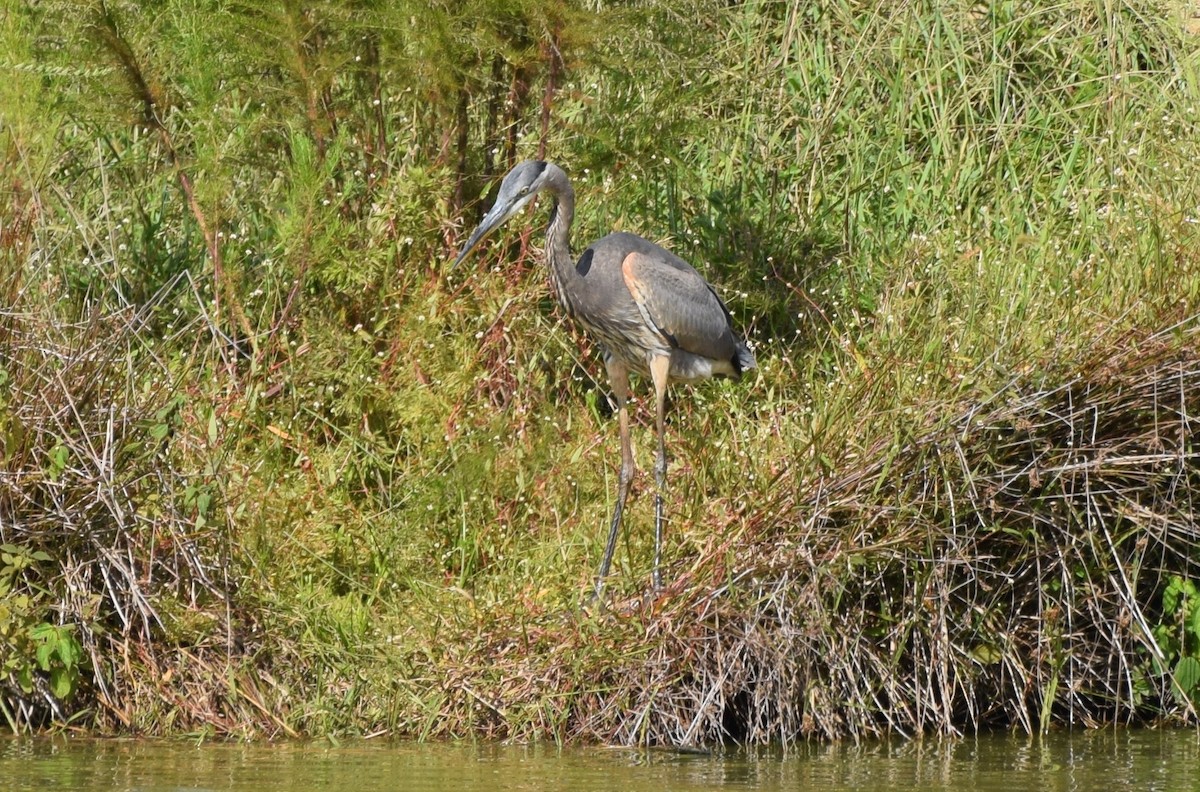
516,191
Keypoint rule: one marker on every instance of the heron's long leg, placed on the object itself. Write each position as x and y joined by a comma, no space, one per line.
660,369
618,374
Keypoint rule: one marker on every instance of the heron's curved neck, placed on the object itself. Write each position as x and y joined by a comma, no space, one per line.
558,232
558,235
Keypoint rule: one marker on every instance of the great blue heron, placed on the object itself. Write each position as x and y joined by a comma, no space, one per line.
649,309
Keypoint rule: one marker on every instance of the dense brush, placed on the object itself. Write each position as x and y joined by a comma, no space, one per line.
267,468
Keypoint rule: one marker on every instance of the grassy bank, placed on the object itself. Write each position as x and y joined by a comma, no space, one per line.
267,470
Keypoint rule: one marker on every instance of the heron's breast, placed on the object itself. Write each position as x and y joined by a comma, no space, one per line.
626,338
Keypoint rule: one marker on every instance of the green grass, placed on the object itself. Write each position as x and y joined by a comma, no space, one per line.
354,495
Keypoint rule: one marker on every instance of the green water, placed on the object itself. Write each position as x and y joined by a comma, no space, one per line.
1116,760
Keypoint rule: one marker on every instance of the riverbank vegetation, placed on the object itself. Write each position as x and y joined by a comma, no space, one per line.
266,469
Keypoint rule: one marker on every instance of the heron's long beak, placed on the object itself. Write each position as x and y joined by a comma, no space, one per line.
478,235
491,221
495,218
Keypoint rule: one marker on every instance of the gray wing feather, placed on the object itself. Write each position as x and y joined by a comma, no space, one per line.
677,300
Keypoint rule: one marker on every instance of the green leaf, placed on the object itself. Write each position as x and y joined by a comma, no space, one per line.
1172,594
987,654
44,651
61,683
69,650
1164,636
1187,675
57,461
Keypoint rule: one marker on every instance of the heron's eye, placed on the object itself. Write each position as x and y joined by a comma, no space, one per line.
524,191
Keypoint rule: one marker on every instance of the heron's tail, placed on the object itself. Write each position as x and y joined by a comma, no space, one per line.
743,358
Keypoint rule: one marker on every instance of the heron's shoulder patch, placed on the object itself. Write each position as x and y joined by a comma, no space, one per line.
639,273
633,270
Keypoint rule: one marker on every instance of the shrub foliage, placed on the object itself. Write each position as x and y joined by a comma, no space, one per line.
265,468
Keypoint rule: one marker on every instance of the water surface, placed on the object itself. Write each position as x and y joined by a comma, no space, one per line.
1141,760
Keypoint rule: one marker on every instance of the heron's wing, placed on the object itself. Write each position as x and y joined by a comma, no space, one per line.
679,303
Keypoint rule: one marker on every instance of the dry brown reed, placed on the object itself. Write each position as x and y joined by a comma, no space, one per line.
1004,569
85,478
